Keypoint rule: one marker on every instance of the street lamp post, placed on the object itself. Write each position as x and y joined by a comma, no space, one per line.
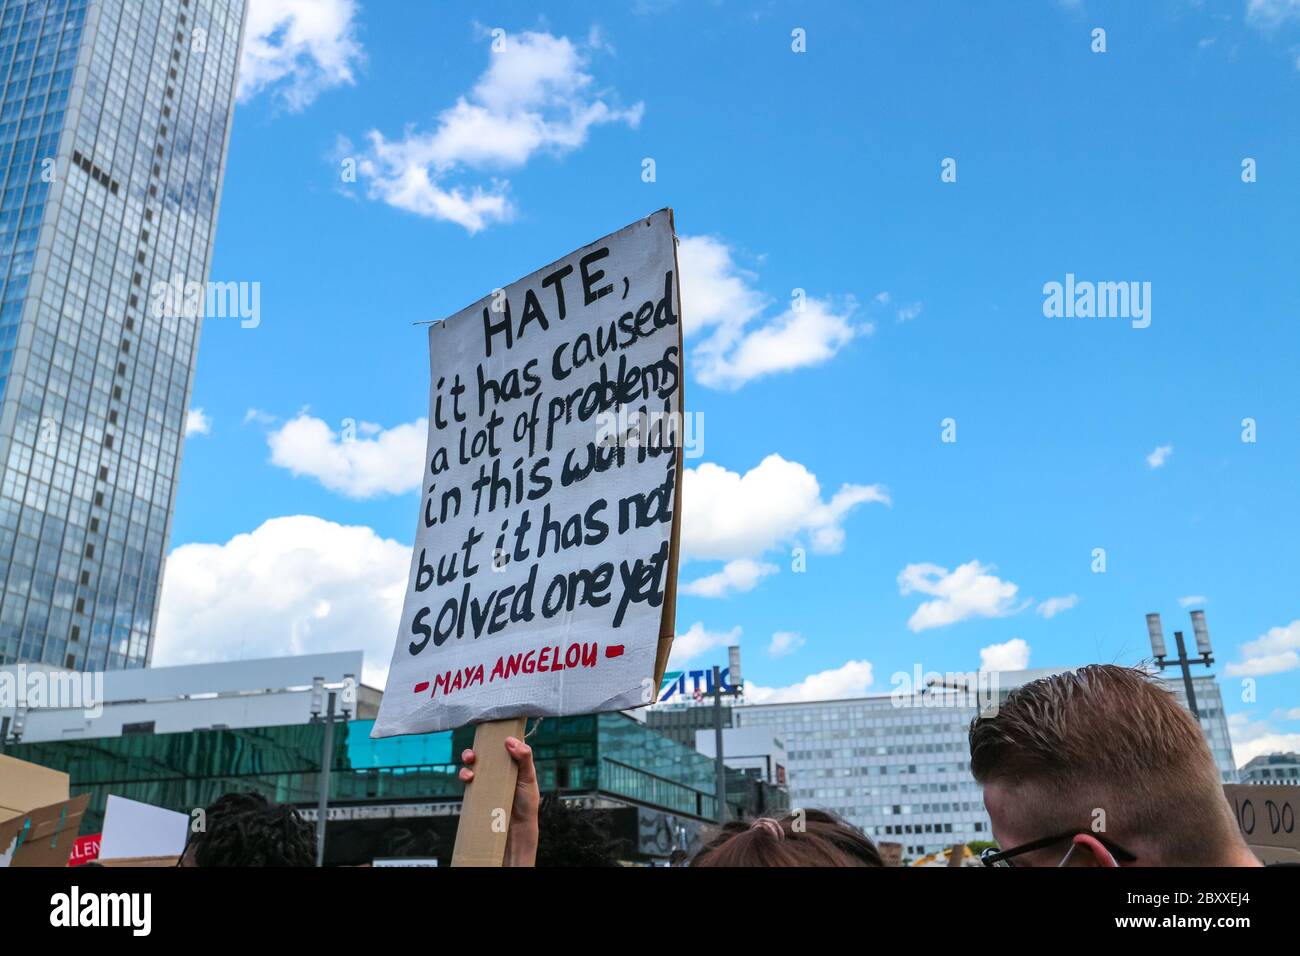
717,744
733,671
326,762
327,700
1184,663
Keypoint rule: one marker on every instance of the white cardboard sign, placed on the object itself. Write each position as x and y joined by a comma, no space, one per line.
543,574
134,829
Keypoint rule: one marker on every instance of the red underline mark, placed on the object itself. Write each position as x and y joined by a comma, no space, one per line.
614,650
421,687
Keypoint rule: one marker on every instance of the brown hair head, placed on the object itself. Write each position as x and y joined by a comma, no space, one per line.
802,838
1110,739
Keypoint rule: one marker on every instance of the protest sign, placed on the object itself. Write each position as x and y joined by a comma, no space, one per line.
43,836
133,830
1267,818
404,861
542,579
25,786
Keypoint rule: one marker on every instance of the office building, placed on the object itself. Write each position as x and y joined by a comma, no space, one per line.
1275,769
901,770
754,750
114,121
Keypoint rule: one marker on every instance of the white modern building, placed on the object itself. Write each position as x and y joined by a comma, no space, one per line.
898,766
1275,769
39,703
748,748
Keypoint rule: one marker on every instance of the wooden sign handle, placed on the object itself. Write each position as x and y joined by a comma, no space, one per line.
485,811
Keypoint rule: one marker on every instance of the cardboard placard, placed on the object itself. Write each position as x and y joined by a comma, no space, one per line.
43,836
141,861
133,830
25,786
1267,818
404,861
543,575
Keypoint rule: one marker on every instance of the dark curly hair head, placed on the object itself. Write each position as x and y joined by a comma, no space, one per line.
246,829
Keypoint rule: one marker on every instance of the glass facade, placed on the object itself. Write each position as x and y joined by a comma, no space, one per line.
1213,718
39,44
608,755
902,773
113,136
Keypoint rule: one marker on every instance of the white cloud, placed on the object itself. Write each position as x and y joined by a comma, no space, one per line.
966,592
727,515
783,643
737,338
739,575
1054,606
1256,738
1013,655
535,96
1272,653
376,461
298,49
1269,14
852,679
1192,600
909,312
1158,457
197,423
259,416
697,640
295,585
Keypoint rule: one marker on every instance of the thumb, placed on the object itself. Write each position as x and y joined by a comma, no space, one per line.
522,754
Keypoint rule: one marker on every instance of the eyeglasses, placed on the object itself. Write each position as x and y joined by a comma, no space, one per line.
992,856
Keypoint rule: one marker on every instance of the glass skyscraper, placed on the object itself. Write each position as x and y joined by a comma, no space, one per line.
114,121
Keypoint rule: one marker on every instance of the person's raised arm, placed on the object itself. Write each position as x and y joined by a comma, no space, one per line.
521,840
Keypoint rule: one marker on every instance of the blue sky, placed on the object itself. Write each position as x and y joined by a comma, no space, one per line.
923,300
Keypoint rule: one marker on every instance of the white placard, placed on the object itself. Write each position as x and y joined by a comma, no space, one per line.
133,829
543,574
405,861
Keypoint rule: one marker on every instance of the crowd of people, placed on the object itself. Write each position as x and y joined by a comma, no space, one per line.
1094,767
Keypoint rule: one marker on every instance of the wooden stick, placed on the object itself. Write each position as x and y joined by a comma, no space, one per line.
485,812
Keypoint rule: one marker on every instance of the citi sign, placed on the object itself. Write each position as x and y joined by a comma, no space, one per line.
693,684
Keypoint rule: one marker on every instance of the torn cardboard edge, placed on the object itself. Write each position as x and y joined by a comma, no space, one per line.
44,836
